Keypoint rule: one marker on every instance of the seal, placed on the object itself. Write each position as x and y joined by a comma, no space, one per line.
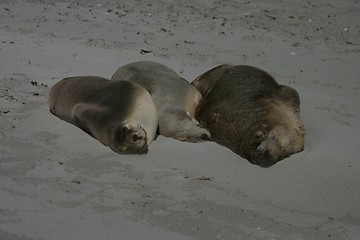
175,99
121,115
247,111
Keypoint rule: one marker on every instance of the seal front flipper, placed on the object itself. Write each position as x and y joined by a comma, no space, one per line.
87,117
128,138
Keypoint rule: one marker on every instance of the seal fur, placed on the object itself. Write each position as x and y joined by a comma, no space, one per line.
246,110
119,114
175,99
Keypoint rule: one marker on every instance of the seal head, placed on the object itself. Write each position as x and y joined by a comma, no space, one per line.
129,138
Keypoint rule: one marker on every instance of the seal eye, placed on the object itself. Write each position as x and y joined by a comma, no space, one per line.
204,137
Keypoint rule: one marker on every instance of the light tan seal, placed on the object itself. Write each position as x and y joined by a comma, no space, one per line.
175,99
246,110
119,114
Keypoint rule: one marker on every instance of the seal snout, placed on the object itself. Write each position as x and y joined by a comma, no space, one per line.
205,137
198,134
265,162
267,159
136,137
131,139
265,149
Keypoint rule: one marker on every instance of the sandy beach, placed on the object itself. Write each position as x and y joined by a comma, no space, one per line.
59,183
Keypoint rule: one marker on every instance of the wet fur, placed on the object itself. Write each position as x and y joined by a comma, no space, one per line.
246,110
106,110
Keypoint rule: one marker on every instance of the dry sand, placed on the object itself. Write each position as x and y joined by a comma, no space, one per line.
59,183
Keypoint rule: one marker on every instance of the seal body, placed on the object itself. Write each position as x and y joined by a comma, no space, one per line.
119,114
175,99
247,111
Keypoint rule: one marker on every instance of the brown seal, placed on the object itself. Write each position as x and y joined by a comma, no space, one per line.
247,111
119,114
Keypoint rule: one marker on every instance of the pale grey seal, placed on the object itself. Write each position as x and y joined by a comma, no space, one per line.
175,99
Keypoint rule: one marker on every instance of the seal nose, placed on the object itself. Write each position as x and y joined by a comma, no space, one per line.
265,160
136,137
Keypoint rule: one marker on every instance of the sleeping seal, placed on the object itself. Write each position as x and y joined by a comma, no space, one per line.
175,99
119,114
247,111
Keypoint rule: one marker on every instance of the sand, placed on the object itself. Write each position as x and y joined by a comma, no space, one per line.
59,183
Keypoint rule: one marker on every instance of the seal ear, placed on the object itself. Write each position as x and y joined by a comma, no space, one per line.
85,116
125,133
